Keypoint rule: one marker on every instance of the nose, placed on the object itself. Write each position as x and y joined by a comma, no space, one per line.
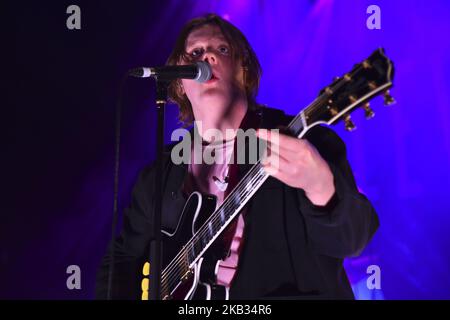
210,57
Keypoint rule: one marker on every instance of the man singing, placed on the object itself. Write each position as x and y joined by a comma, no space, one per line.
290,240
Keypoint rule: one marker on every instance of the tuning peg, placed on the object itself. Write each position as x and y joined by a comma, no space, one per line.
368,112
332,110
366,64
349,125
388,99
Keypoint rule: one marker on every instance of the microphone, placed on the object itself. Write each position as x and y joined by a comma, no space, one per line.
200,72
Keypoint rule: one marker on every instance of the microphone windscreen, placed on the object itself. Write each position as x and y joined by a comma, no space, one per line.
204,71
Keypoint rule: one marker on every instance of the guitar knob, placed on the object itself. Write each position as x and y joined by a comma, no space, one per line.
368,111
388,99
349,125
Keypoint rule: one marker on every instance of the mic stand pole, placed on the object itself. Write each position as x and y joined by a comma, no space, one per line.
155,242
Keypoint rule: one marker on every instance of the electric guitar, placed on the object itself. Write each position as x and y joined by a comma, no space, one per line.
189,268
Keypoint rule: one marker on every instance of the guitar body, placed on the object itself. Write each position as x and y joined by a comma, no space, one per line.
197,281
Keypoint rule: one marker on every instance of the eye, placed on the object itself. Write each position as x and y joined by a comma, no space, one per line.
196,52
224,50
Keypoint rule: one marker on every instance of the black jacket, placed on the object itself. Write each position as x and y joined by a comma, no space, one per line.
292,249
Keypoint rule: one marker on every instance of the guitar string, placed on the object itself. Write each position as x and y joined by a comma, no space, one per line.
169,278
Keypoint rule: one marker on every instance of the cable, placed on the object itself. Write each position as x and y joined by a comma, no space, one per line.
118,116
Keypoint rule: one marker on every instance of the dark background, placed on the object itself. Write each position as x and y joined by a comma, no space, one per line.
62,97
60,88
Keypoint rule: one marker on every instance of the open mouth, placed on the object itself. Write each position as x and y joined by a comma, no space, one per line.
214,78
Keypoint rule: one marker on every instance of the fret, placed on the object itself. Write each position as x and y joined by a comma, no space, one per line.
235,200
297,124
205,240
197,245
222,216
191,254
210,230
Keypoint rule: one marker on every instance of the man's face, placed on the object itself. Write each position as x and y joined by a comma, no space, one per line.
208,44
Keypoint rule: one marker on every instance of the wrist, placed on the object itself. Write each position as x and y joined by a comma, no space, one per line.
321,194
321,198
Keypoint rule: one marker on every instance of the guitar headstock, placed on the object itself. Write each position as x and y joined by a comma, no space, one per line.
366,80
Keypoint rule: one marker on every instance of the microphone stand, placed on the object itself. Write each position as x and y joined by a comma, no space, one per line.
155,242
